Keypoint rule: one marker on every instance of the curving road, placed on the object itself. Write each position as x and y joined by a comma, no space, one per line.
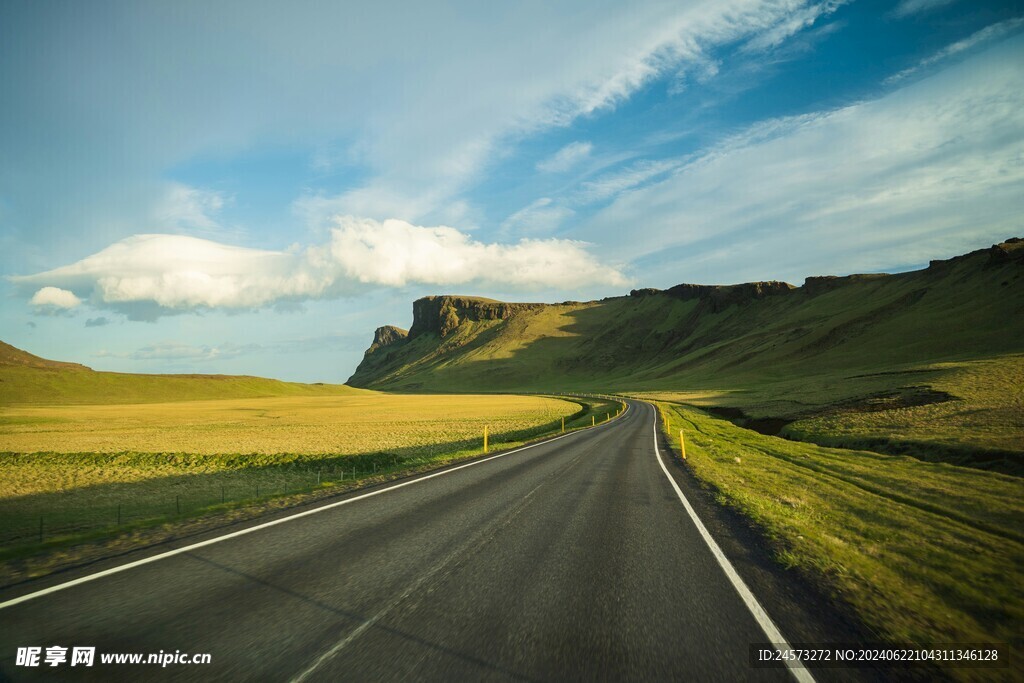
572,559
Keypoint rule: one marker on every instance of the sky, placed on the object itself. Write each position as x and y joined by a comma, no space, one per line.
253,187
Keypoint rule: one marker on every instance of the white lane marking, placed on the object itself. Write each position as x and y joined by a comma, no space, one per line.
170,553
760,615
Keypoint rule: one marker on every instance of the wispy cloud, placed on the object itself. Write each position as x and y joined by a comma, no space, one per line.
186,207
101,321
179,273
933,167
615,182
795,22
541,217
986,35
566,158
908,7
174,351
420,163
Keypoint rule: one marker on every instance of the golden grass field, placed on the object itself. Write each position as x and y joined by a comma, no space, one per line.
353,424
77,468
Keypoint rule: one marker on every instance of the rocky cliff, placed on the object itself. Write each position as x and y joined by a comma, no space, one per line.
440,315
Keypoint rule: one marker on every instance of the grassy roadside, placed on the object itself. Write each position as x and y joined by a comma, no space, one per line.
189,487
924,552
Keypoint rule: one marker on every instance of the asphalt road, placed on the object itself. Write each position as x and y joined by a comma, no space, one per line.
573,559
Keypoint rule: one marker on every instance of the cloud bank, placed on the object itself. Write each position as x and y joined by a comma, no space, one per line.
176,273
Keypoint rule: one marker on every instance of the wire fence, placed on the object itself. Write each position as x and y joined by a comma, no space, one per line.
55,516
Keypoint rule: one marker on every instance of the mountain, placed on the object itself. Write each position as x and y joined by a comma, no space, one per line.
29,379
854,343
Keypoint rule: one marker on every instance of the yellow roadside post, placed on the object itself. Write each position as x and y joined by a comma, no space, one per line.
563,425
593,420
485,438
682,444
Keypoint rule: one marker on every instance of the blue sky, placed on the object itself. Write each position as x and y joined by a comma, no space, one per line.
245,187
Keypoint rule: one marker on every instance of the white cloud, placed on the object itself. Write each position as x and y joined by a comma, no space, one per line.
54,297
988,34
566,158
180,273
396,253
908,7
933,168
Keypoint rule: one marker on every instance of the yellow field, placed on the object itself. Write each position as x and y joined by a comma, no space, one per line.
349,425
66,471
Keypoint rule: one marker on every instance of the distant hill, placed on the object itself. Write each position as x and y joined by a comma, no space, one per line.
29,379
968,306
14,357
770,348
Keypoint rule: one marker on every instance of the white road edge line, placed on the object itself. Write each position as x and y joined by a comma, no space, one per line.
178,551
760,615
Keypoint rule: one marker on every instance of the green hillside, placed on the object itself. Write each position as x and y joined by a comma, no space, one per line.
927,362
28,379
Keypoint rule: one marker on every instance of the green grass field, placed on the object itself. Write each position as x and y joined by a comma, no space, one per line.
924,552
21,385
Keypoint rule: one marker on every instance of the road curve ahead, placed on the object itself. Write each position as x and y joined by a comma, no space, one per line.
574,559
